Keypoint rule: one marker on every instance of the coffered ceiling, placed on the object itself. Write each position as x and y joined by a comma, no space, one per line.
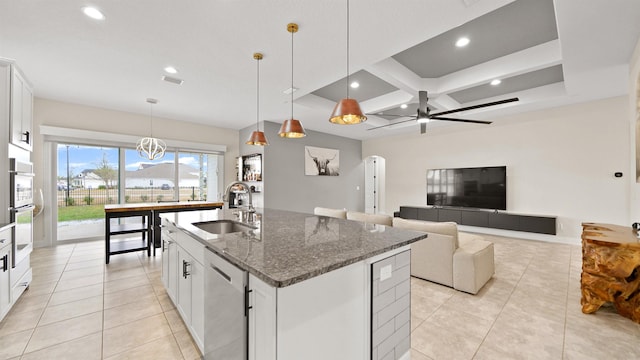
548,53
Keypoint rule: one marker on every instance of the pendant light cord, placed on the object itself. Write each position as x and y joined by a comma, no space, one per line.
347,49
292,75
151,113
258,97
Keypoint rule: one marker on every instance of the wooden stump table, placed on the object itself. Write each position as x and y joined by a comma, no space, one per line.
610,269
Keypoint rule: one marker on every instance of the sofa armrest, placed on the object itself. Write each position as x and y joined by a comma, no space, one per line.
432,259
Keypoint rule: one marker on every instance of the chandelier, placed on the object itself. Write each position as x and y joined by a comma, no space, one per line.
150,147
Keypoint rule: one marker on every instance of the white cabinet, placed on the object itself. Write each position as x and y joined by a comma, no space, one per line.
21,132
184,285
183,278
5,265
262,320
169,260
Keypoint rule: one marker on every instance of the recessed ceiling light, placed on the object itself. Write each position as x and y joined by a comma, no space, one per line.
171,70
403,106
495,82
462,42
93,13
355,85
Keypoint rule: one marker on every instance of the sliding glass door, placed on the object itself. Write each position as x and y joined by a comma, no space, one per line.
87,179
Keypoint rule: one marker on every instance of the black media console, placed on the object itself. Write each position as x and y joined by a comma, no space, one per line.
482,218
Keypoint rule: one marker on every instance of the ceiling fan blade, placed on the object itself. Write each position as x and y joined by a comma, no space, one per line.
423,99
500,102
460,120
395,123
397,115
423,127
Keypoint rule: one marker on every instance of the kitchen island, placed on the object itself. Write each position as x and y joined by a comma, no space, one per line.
314,287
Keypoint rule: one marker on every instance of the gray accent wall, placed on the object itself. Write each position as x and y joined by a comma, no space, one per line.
286,187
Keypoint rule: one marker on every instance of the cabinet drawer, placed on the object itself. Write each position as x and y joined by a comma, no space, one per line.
5,238
192,246
21,284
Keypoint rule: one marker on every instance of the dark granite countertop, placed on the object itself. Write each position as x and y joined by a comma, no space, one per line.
289,247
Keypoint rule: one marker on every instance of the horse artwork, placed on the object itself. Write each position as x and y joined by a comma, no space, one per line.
321,161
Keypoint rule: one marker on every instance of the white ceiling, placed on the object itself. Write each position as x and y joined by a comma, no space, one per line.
118,63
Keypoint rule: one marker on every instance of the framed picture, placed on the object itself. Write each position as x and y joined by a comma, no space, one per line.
321,161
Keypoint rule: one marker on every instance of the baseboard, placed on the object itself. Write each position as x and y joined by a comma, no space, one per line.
521,235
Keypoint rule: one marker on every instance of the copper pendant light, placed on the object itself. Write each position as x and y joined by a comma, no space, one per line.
257,137
292,128
347,111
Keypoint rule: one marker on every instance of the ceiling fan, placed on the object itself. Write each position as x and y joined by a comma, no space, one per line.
424,115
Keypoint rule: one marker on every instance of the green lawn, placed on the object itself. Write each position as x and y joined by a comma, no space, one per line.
80,212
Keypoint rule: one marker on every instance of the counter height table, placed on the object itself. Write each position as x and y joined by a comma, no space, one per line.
149,226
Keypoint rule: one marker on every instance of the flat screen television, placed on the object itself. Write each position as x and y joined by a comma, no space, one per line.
481,187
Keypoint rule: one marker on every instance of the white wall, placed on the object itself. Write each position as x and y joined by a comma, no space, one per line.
559,162
634,123
66,115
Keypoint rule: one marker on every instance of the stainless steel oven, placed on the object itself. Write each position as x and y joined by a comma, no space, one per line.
21,208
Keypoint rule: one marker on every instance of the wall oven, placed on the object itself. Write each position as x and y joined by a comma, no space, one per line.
21,208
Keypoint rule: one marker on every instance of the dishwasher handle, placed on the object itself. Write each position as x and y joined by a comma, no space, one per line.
221,273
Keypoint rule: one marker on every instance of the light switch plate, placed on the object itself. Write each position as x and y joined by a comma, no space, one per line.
385,272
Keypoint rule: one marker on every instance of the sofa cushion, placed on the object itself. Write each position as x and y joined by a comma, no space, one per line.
335,213
443,228
380,219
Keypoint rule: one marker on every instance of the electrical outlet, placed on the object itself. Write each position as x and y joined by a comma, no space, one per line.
385,272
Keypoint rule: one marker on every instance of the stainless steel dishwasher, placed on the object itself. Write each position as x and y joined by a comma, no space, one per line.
226,321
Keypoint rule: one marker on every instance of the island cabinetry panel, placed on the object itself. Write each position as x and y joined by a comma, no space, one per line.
284,322
262,320
169,259
391,307
183,277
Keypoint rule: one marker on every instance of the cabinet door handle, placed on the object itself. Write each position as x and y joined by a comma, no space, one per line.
247,301
2,241
185,271
5,260
26,137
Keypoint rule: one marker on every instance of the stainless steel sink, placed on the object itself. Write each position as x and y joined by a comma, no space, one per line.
219,227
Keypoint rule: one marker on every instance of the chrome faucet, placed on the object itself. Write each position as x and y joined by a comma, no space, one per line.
250,207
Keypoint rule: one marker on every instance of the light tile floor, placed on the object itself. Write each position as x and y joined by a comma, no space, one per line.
79,308
530,309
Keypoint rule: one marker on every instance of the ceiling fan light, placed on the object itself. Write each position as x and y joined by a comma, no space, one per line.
422,120
347,112
257,138
292,129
